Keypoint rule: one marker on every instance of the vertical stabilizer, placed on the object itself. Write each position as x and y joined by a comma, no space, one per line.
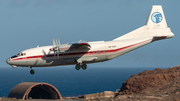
156,18
156,26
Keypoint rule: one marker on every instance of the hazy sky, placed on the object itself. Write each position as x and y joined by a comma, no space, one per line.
27,23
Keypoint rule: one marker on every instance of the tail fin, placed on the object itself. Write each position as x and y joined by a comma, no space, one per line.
156,18
156,26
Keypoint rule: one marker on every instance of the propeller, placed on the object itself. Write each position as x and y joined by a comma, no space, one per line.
56,46
45,52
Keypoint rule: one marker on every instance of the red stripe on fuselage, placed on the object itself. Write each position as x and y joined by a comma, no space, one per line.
116,50
81,53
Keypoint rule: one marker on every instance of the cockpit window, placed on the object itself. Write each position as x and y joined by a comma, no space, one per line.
19,54
14,56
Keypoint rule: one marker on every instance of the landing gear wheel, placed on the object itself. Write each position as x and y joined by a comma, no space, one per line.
78,67
32,71
84,66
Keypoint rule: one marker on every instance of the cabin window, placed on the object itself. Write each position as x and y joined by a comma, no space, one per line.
32,56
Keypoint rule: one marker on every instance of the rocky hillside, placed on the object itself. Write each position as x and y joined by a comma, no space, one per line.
154,81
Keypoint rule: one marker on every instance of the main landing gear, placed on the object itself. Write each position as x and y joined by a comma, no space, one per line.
79,66
31,71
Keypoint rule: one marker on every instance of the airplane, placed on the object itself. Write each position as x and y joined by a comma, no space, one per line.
84,52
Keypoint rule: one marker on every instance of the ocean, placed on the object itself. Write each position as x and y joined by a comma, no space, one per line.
69,81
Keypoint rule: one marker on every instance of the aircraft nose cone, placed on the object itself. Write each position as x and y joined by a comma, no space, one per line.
7,61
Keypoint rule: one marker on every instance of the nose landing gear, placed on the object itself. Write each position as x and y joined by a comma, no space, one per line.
31,71
79,66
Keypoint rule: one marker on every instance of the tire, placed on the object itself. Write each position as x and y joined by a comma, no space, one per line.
84,66
78,67
32,71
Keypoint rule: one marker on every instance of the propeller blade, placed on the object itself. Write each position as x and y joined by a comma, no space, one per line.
54,43
44,53
58,45
59,42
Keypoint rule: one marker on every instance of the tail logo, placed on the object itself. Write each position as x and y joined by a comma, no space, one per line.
156,17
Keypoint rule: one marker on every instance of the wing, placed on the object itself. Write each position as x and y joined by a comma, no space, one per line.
69,47
80,46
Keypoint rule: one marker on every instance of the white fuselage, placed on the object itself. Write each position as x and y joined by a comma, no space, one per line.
100,51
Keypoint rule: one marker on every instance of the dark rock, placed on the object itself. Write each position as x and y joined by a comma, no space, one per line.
148,81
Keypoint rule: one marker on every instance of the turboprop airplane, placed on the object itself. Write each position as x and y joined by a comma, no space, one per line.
82,53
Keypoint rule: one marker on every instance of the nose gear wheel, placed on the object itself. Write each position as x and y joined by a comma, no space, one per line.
32,71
